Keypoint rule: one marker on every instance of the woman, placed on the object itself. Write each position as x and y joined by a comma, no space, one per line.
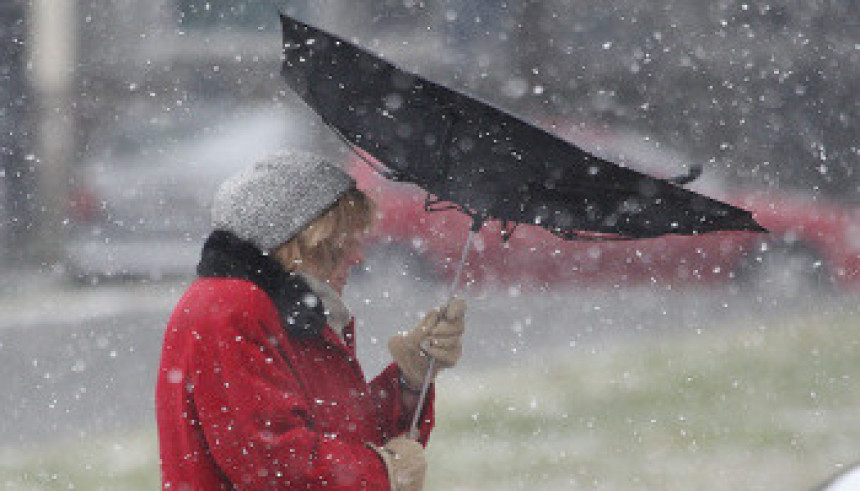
259,386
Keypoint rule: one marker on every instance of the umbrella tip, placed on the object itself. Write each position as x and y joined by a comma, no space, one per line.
748,224
740,221
761,229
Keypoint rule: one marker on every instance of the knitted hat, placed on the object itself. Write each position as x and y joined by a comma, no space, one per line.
276,198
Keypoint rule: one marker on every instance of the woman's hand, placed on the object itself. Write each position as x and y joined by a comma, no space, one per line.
438,335
405,462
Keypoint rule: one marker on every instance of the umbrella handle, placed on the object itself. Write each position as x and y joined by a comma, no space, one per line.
428,376
413,429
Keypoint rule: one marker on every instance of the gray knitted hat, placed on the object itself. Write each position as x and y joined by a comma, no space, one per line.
273,200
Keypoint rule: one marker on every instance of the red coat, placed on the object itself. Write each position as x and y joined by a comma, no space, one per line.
242,404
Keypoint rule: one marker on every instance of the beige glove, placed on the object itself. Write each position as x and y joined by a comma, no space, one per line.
438,335
405,462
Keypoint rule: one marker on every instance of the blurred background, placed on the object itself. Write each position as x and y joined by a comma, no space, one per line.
118,118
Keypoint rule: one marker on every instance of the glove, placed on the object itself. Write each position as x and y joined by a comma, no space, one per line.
438,335
405,462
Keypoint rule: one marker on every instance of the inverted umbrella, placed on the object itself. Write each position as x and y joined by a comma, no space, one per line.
489,164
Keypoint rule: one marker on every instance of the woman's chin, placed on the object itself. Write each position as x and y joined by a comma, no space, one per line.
337,284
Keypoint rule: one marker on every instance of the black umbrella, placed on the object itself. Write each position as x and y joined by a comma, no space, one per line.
471,156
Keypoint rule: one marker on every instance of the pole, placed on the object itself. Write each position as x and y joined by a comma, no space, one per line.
53,29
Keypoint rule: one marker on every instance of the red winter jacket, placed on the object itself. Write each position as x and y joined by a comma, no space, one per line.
243,403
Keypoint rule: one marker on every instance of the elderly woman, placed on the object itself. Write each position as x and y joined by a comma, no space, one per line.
259,386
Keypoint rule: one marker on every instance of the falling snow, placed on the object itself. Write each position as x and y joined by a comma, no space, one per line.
119,120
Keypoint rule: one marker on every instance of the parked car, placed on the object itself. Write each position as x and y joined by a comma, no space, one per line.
140,202
143,211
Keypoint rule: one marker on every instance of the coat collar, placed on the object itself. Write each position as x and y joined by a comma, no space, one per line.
336,312
227,256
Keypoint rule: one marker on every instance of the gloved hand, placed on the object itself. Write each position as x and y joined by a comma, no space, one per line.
438,335
405,462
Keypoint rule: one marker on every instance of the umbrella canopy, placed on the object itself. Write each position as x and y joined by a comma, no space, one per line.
472,156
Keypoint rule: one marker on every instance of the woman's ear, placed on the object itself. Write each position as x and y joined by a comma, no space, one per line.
284,256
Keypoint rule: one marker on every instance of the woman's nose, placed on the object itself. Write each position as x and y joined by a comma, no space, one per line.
358,258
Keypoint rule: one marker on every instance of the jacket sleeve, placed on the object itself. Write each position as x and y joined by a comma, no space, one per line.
255,417
387,395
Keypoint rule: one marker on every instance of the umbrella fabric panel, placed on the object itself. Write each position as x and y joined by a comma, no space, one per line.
375,105
489,163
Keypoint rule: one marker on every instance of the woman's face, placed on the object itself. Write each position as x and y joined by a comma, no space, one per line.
353,255
336,272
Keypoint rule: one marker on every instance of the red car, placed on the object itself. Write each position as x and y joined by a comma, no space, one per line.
812,243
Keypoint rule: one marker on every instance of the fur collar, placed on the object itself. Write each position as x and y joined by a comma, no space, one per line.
227,256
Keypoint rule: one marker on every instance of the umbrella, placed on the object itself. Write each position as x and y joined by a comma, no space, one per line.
471,156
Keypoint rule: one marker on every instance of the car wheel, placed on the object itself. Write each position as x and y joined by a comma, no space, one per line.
786,271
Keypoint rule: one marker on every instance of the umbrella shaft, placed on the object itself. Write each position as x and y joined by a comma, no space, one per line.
425,386
453,289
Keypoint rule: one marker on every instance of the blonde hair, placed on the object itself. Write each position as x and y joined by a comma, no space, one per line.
318,246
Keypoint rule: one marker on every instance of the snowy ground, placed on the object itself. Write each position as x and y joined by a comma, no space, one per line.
760,407
78,361
560,388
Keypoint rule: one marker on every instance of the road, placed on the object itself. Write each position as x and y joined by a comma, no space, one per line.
82,361
78,361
